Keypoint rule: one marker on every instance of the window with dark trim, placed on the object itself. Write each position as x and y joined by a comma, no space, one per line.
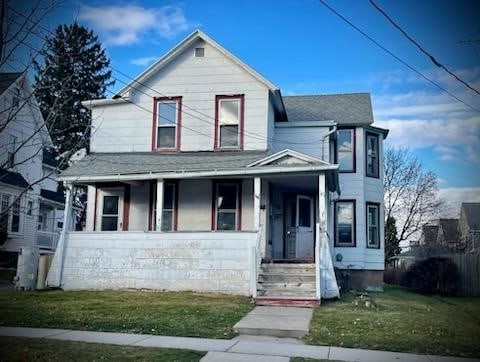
345,149
10,213
169,207
344,223
167,123
373,225
372,154
229,122
227,206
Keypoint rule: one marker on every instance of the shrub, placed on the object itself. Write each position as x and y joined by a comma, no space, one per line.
432,276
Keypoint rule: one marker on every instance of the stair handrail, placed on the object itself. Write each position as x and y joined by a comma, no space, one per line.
256,261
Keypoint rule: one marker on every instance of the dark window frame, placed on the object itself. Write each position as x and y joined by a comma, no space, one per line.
367,226
174,209
377,136
178,124
238,210
354,224
354,149
218,99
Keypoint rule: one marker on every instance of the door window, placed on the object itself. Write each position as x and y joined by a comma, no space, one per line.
304,212
110,213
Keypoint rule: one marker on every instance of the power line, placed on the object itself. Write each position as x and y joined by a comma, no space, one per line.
245,132
429,55
396,57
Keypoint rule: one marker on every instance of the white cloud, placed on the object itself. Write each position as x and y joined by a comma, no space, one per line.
125,25
454,196
143,61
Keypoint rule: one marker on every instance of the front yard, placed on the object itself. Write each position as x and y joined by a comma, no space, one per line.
169,313
400,320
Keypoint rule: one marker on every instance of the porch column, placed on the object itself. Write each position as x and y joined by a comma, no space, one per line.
321,231
322,203
257,192
67,215
159,208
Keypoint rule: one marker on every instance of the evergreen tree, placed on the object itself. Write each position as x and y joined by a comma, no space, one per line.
74,69
392,243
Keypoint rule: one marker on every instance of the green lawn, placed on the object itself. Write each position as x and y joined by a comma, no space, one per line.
26,349
163,313
400,320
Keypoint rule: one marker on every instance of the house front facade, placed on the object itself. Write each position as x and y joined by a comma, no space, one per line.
202,176
31,209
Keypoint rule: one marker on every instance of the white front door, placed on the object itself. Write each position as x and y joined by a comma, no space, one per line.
305,227
110,209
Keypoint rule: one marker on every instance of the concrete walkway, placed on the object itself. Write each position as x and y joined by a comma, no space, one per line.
276,321
242,348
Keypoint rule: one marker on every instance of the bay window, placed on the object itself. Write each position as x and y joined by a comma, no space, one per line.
229,122
373,222
344,219
227,206
371,154
167,123
345,150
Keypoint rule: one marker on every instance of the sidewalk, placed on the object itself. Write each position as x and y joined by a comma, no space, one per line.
241,348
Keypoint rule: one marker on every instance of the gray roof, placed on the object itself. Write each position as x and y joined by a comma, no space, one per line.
472,214
106,164
13,178
6,79
345,109
450,229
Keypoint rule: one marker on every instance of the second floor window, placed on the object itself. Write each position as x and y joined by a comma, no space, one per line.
167,123
345,153
229,122
371,154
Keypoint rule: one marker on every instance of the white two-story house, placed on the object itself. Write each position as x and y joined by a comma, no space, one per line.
202,176
31,208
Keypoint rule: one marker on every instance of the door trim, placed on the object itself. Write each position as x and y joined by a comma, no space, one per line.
126,202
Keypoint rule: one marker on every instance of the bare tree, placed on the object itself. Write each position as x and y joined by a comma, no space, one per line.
410,192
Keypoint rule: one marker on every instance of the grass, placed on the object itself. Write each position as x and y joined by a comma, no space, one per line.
164,313
26,349
400,320
6,276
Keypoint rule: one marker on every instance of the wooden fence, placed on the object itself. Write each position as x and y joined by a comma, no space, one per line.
469,269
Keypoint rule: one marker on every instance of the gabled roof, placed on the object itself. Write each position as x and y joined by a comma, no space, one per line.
472,214
13,179
185,43
7,79
288,157
345,109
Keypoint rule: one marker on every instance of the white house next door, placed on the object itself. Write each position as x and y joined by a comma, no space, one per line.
305,227
110,209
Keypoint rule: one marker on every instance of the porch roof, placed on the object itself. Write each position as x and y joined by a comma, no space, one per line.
134,166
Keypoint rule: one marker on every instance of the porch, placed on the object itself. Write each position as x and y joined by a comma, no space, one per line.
206,231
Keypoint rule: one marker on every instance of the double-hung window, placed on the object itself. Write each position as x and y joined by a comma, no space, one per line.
167,123
373,222
345,153
345,223
10,213
229,122
371,155
169,204
227,206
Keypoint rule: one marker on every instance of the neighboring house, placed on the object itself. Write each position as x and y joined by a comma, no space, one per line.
448,235
202,176
469,227
31,208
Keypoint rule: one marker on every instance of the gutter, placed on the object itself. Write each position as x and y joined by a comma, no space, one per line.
199,174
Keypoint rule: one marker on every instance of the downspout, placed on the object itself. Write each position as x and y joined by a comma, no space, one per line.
333,130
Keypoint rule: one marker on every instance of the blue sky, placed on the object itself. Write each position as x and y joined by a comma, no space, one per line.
305,49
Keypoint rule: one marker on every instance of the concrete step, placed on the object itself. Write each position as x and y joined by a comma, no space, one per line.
275,321
286,293
287,270
306,302
287,277
286,285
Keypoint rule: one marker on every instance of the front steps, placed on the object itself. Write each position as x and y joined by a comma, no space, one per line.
285,284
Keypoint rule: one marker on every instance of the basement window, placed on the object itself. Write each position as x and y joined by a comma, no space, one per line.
199,52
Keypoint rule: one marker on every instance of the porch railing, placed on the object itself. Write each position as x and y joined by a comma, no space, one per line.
47,239
256,260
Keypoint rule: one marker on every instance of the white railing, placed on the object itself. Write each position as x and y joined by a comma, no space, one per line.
47,239
318,241
256,260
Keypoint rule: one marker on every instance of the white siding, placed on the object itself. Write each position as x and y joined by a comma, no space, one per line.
128,127
203,262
